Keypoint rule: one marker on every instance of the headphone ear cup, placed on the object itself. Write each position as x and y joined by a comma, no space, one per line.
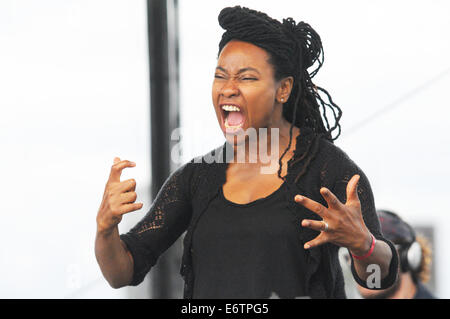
414,256
404,264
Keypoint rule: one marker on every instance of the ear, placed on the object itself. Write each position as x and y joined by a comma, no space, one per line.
284,89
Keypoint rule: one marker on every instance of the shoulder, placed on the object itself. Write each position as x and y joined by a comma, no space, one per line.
318,159
337,158
334,168
324,151
333,152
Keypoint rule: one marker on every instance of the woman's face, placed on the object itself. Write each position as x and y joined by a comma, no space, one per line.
244,90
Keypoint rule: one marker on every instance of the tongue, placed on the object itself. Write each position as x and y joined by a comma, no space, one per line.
235,118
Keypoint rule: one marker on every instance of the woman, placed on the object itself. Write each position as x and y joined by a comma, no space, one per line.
254,235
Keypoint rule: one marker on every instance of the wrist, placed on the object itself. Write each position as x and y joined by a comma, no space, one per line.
106,232
363,246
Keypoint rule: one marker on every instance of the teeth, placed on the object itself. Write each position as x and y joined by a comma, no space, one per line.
231,108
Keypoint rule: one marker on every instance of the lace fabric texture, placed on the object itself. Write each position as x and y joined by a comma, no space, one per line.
186,193
168,195
166,220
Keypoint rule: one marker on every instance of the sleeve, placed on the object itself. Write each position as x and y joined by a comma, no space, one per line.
166,220
346,171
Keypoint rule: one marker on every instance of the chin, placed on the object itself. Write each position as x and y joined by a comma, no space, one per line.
236,138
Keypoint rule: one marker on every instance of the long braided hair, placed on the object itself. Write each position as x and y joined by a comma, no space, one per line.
293,48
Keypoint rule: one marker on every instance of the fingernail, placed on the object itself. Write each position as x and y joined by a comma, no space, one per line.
307,246
133,163
305,224
298,198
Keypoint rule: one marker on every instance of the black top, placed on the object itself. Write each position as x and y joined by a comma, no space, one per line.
248,250
190,190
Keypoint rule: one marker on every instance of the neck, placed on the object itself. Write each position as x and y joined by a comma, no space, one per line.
259,144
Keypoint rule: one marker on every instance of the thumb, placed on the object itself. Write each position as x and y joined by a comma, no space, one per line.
352,188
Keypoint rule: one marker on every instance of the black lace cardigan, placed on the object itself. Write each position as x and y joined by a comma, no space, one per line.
187,192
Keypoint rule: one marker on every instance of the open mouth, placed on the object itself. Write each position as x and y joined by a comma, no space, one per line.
233,117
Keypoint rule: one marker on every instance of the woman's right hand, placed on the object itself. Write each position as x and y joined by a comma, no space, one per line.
118,199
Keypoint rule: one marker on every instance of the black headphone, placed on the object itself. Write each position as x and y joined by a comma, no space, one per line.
409,250
410,255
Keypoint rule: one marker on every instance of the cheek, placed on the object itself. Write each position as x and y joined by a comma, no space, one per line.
260,103
262,93
215,96
214,91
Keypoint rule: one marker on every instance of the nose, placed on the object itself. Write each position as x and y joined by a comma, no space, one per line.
229,89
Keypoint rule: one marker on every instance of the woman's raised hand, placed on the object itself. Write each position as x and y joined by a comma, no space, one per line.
118,199
342,224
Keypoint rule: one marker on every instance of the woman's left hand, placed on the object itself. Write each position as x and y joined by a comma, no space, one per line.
342,224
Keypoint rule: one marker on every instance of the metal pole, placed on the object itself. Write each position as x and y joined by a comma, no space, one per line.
163,56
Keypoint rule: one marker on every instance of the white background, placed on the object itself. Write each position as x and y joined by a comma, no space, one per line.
74,94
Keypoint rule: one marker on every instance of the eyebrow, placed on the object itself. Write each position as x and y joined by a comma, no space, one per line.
240,71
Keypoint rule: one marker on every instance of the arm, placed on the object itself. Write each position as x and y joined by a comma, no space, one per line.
114,259
384,254
126,259
351,225
112,256
381,256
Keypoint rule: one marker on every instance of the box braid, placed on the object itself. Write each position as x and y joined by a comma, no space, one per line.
293,48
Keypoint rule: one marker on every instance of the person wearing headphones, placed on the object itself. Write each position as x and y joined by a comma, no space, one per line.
415,261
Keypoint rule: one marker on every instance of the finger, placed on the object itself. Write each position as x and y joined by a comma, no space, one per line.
331,199
116,170
314,224
319,240
313,206
352,188
128,208
127,186
128,197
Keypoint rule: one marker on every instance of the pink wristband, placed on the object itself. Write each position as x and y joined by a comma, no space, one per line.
369,252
